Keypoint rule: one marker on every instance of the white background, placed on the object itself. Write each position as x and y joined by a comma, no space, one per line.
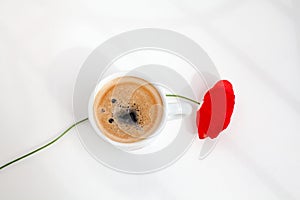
254,43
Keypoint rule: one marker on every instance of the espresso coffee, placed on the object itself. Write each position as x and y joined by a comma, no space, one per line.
128,109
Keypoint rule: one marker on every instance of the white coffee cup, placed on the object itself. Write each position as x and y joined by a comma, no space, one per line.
172,110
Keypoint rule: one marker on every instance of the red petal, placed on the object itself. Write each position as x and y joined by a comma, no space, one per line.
215,112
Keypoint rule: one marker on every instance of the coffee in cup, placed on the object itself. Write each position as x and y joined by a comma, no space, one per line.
128,109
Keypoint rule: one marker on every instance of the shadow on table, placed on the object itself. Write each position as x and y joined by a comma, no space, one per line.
230,6
251,164
205,21
292,12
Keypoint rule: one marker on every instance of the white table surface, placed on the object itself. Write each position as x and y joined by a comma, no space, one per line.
254,43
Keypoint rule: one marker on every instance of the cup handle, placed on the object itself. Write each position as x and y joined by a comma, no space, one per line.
178,110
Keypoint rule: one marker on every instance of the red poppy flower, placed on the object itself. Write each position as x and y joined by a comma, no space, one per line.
215,112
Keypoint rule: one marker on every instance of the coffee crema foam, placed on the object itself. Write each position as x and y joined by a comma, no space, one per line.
128,109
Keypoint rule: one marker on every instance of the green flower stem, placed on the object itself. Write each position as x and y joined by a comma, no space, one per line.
179,96
46,145
72,126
